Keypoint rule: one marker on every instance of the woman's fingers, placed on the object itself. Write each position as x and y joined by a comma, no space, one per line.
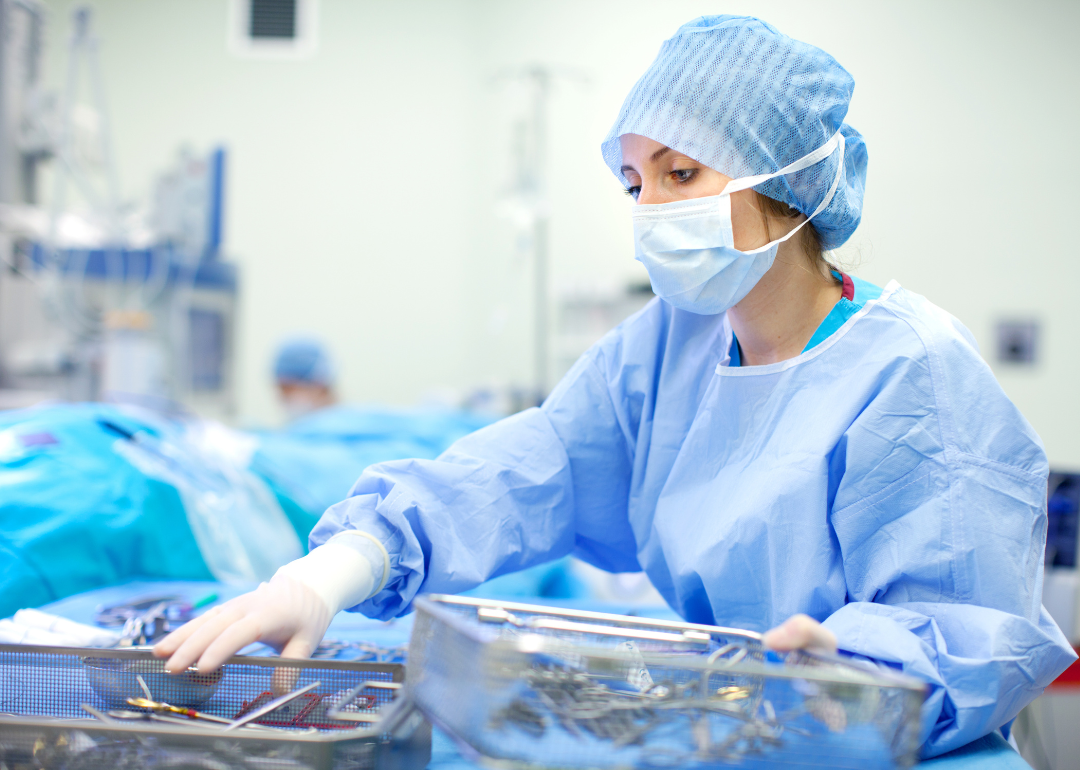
285,679
171,643
298,647
792,634
800,632
195,645
283,613
231,640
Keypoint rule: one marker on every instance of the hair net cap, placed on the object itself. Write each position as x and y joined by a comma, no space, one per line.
735,94
304,360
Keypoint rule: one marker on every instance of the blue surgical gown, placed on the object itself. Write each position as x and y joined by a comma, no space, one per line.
880,482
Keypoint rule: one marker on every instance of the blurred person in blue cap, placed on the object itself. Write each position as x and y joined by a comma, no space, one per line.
304,375
780,446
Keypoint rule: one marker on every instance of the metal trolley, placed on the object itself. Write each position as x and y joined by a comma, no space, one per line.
89,709
519,686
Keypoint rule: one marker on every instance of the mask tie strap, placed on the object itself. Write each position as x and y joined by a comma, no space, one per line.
818,155
821,206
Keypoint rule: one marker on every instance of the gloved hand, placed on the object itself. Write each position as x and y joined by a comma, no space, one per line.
284,613
800,632
290,613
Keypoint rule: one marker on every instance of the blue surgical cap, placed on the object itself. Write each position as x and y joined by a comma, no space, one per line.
303,360
735,94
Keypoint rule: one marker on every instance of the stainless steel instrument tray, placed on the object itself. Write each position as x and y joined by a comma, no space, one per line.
43,722
519,685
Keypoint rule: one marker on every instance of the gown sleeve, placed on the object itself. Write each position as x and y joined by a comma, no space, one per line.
940,514
528,489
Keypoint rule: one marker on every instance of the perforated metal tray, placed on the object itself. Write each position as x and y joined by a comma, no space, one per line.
520,685
43,723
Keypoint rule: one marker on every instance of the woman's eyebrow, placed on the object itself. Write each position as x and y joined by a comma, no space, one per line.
652,159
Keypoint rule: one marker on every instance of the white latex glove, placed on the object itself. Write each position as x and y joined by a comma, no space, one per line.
290,613
800,632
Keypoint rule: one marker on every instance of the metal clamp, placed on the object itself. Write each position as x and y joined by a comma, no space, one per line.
499,615
339,710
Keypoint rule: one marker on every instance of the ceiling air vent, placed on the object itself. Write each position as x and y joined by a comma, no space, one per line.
272,29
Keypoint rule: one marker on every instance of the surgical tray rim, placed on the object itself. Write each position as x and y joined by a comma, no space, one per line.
873,676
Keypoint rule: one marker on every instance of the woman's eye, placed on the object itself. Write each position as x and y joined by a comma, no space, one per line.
683,175
634,191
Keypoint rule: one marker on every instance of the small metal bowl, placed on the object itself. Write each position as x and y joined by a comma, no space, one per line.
114,680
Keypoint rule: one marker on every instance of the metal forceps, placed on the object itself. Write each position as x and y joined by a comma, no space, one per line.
167,708
162,708
338,710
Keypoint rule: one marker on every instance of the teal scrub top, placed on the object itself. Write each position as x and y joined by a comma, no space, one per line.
857,293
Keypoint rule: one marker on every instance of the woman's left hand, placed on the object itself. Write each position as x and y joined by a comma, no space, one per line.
800,632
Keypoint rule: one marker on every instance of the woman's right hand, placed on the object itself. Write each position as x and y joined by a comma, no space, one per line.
290,613
284,613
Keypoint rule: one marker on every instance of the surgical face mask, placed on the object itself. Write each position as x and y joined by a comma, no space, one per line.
299,405
688,246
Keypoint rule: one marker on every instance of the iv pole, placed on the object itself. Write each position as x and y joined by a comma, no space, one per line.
528,195
540,80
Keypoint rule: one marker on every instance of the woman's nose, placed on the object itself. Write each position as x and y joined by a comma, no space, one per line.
650,194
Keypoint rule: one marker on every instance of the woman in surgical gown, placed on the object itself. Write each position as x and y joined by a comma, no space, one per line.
779,446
